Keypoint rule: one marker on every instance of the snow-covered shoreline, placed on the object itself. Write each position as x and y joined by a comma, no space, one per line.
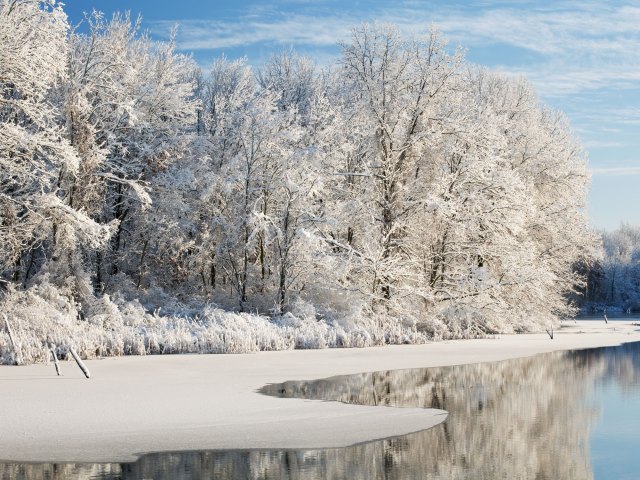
133,405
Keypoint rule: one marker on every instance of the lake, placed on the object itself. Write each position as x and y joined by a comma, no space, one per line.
563,415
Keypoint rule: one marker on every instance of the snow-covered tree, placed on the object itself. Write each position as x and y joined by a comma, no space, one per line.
129,108
553,166
35,156
392,88
292,78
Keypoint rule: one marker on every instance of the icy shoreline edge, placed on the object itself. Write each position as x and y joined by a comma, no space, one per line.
137,405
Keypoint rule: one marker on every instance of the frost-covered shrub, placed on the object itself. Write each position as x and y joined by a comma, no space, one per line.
42,316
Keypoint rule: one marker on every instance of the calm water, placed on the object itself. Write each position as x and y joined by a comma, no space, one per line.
565,415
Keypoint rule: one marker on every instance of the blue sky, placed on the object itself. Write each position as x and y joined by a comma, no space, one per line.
583,58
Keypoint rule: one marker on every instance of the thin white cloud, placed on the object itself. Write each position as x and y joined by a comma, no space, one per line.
290,30
561,78
606,116
603,144
616,171
584,28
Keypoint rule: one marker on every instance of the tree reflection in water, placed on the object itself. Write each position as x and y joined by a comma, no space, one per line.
527,418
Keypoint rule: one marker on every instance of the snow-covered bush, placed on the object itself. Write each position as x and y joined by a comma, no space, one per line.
42,317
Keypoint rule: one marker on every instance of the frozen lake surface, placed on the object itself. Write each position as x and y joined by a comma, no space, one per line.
569,415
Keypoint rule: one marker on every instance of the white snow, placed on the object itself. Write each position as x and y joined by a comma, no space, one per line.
133,405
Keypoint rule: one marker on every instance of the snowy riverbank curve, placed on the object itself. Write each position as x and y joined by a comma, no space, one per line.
134,405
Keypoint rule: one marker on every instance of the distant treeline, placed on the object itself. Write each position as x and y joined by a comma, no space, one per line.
613,279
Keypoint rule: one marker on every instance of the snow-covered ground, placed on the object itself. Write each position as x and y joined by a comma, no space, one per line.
132,405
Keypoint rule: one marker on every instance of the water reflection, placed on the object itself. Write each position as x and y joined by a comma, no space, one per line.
528,418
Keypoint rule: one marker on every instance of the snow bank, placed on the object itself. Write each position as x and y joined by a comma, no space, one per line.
207,402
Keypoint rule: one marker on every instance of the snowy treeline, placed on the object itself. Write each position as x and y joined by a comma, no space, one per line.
614,277
400,192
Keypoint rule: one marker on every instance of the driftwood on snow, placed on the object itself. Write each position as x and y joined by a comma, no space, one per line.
55,359
80,363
